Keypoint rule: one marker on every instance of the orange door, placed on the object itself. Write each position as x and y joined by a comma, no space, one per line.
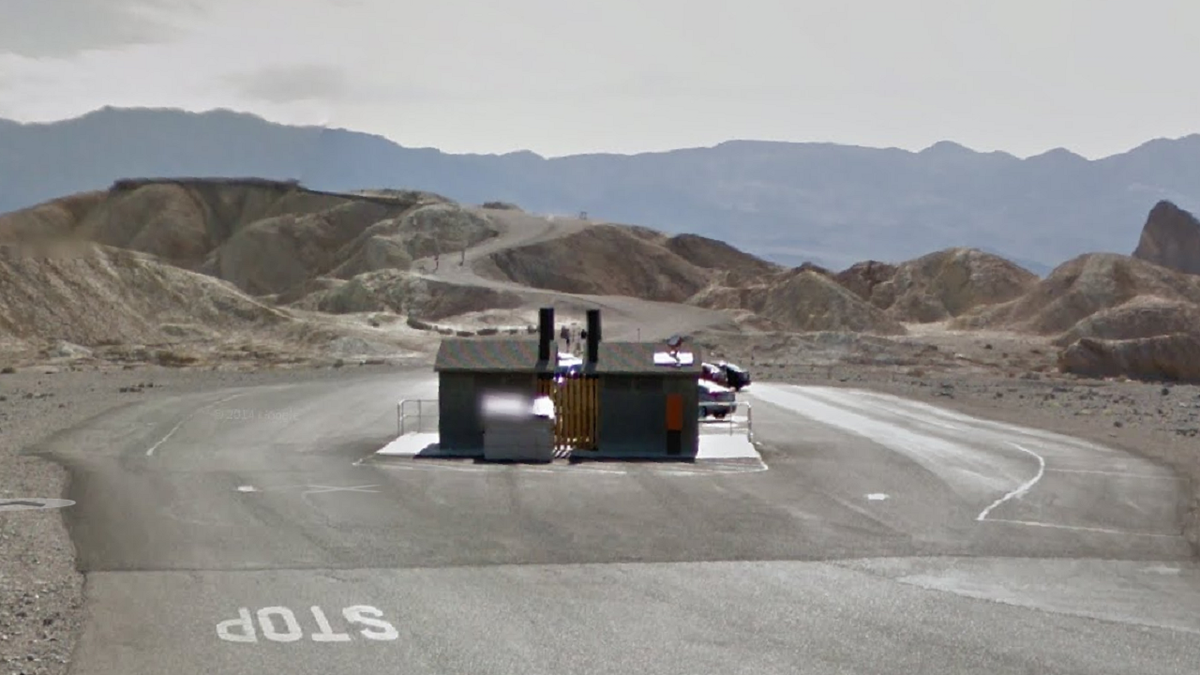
674,412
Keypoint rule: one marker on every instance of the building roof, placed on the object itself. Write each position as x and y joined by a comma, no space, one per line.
637,358
509,356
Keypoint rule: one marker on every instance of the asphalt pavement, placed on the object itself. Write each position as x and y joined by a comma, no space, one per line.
241,531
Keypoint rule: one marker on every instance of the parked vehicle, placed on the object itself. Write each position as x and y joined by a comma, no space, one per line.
726,374
736,377
715,400
713,373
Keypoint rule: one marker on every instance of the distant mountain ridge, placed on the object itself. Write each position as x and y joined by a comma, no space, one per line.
789,202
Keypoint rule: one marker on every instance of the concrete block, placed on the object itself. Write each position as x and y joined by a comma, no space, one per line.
526,440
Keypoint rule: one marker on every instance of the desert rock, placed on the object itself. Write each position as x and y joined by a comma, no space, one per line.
938,286
605,260
1080,288
89,294
1171,238
802,300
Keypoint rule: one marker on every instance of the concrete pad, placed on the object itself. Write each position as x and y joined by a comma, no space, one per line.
422,445
723,446
715,445
410,445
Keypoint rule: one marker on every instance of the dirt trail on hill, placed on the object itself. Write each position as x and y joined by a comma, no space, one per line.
624,318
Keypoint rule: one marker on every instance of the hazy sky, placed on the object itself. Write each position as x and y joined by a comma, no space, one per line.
561,77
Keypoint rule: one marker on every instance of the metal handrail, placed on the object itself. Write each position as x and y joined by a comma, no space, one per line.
749,421
731,422
402,415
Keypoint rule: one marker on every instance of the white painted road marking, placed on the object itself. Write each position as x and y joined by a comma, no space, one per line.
318,489
1023,488
228,630
280,624
291,625
185,420
1153,476
877,496
326,633
274,488
1081,528
33,503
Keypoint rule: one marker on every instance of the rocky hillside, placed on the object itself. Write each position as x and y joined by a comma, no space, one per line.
170,260
1112,315
92,295
1162,357
1081,288
1140,317
391,290
294,252
620,260
199,261
264,236
938,286
1171,238
798,300
870,296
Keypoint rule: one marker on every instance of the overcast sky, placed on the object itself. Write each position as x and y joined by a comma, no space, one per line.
561,77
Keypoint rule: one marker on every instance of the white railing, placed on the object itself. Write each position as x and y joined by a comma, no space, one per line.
731,420
406,417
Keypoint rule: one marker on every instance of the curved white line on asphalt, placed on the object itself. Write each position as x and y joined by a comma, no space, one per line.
1023,488
184,421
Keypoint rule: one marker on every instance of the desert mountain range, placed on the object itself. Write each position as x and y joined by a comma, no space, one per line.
787,202
197,270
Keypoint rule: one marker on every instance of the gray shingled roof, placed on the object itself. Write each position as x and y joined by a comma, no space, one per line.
634,358
491,355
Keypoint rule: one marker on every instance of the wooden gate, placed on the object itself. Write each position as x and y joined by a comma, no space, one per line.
576,410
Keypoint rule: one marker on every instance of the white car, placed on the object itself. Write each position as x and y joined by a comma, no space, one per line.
715,400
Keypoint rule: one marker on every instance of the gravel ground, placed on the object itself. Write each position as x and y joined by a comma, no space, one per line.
41,593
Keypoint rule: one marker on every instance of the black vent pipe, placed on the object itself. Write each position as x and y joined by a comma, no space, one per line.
593,335
545,332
